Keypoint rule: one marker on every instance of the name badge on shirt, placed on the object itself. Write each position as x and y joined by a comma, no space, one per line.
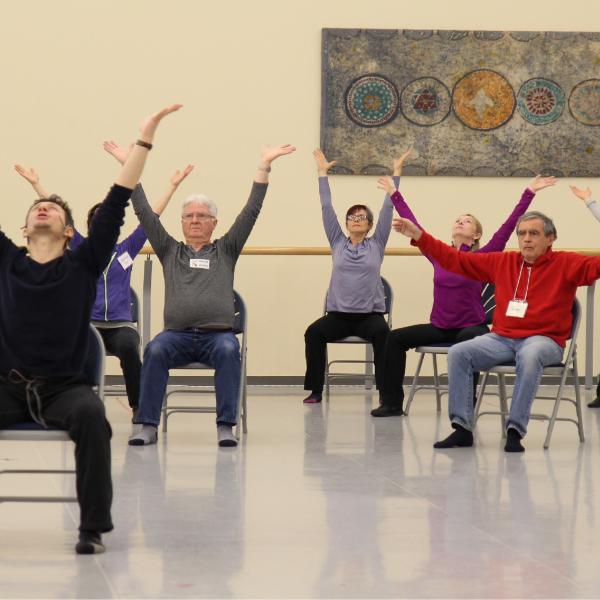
516,308
199,263
125,260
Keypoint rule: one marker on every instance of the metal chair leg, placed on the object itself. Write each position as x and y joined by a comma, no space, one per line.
413,387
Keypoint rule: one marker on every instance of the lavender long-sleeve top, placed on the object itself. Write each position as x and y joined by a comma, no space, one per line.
355,285
456,299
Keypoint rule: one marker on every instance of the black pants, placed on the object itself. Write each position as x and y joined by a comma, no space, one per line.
124,343
334,326
401,340
69,404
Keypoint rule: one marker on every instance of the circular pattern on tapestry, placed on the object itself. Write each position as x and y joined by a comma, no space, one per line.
584,102
425,101
371,101
540,101
483,100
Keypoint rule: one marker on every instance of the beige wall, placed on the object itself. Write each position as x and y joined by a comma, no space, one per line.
76,73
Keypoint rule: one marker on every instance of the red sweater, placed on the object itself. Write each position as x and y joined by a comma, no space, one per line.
552,285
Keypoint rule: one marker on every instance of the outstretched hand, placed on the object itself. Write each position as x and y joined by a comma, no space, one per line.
149,124
179,176
117,151
386,184
539,183
323,165
398,162
407,228
584,195
30,174
270,153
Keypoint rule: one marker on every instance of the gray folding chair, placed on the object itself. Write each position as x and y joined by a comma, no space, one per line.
240,329
119,389
561,370
32,432
489,304
369,363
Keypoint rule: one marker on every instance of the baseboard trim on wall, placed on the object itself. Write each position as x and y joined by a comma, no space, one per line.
294,380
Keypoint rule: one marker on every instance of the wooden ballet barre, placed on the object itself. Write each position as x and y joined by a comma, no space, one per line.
326,251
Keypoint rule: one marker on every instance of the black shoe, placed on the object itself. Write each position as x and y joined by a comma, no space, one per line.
595,403
387,410
459,438
89,542
513,441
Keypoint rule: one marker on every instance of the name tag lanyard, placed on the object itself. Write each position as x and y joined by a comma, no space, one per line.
518,306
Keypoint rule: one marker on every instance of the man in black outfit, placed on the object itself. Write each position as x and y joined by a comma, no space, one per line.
46,297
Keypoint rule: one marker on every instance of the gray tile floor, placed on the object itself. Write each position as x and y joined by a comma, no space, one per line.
319,501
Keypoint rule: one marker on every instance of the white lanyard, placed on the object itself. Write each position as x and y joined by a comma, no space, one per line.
524,299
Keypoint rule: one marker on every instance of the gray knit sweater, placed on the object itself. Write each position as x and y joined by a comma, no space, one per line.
199,297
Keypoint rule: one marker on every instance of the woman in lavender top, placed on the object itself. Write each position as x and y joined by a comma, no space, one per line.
355,298
457,313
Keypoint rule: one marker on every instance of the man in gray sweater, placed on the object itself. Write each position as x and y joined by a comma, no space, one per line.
199,312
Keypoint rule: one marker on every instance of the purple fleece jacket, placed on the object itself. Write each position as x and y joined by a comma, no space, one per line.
456,299
113,291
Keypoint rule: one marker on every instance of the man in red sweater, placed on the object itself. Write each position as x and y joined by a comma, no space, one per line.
535,289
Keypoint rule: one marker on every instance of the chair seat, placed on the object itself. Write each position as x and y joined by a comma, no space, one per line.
351,339
510,368
29,430
441,348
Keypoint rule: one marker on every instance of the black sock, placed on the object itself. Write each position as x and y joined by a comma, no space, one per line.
513,441
459,438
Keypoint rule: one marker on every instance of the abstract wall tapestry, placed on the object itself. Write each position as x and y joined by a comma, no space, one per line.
471,103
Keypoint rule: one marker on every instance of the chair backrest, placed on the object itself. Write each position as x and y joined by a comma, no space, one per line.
239,323
576,313
488,299
135,307
388,295
94,365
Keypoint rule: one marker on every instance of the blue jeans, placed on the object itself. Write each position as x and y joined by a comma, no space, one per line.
175,348
530,356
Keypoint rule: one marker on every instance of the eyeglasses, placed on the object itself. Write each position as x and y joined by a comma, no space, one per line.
357,218
199,216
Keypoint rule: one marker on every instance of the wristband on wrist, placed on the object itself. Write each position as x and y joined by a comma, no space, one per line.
265,169
144,144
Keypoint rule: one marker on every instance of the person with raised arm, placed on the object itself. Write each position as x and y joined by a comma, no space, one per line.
457,313
355,298
586,197
111,313
535,290
46,298
199,306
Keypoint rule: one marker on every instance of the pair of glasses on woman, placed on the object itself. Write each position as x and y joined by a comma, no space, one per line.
357,218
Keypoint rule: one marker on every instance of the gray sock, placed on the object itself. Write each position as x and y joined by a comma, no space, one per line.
148,434
225,436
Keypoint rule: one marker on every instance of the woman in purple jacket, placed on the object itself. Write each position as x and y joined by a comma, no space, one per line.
111,314
457,313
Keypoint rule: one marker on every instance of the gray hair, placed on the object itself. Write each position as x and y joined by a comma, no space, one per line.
200,199
549,228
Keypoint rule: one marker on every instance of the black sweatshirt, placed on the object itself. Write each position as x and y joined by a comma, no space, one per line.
45,308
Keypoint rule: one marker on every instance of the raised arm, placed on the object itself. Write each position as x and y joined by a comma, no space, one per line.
499,240
333,231
121,154
470,264
131,170
586,197
33,178
238,233
109,216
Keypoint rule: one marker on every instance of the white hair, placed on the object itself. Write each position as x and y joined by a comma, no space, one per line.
200,199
